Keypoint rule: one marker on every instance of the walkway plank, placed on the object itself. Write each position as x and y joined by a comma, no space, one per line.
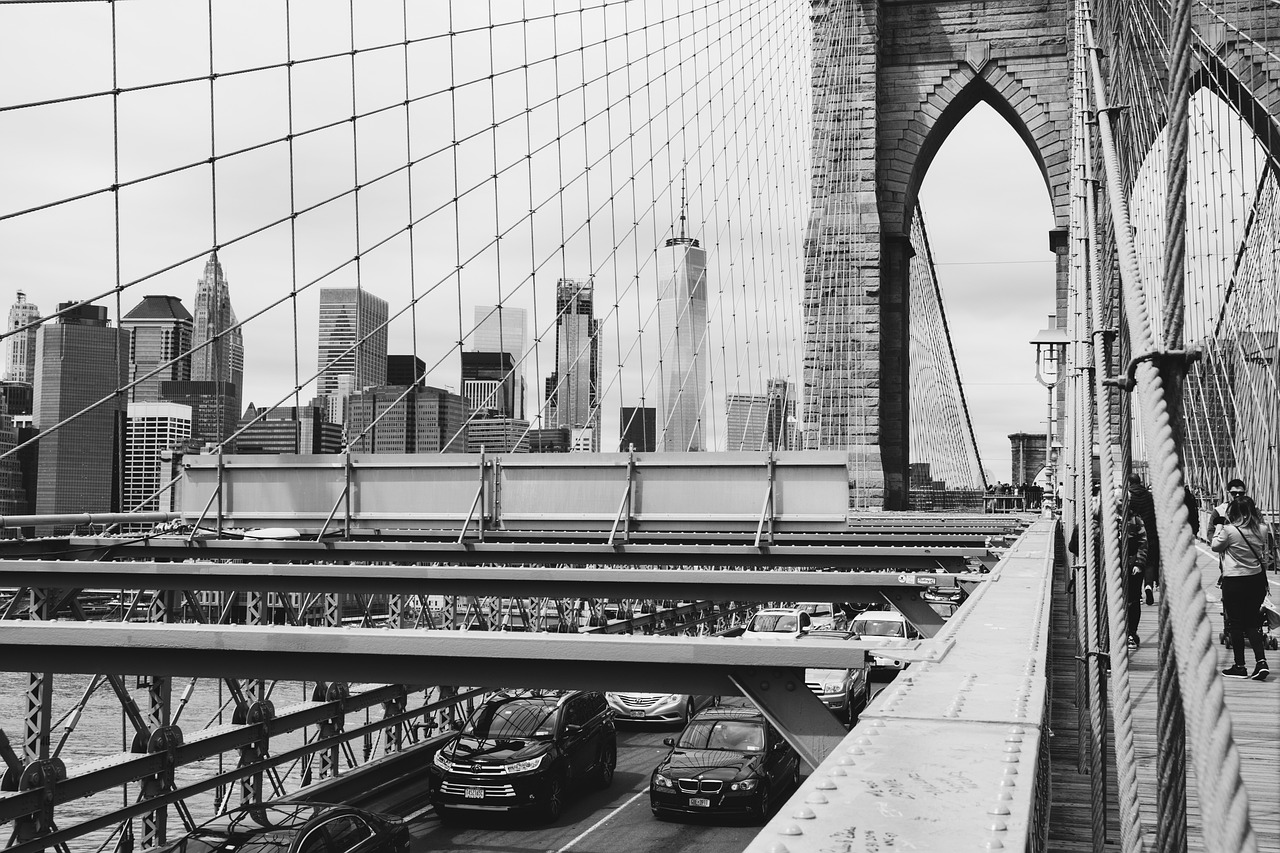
1255,712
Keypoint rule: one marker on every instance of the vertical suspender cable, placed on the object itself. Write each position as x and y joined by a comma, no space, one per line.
1217,761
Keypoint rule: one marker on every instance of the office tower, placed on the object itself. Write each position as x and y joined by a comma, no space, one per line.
405,370
13,494
288,429
152,455
352,345
218,350
406,419
572,387
682,329
159,330
550,440
79,360
498,435
489,383
747,416
212,418
638,429
760,421
18,397
501,329
20,349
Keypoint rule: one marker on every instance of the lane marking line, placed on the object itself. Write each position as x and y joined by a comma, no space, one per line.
603,820
419,813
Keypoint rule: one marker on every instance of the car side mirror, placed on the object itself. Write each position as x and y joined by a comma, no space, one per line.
668,741
456,725
572,728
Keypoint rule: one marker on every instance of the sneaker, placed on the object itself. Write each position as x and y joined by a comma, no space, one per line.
1150,593
1237,671
1133,642
1260,671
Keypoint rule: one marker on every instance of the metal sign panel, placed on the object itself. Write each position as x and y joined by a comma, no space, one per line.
601,491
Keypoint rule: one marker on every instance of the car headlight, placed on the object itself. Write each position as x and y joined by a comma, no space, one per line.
524,766
440,761
829,687
744,785
674,697
660,781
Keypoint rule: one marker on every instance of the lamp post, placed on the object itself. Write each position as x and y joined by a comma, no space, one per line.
1051,352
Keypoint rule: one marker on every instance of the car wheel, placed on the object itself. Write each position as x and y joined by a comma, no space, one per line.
554,806
688,711
608,761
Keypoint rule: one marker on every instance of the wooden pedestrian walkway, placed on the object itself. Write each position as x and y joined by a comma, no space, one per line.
1255,713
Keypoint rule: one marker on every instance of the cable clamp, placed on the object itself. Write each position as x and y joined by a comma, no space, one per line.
1180,358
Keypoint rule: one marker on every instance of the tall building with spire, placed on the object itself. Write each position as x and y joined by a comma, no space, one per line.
572,389
159,329
352,349
682,330
20,348
222,361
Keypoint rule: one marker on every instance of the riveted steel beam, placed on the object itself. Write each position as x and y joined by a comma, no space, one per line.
833,553
800,717
497,659
690,584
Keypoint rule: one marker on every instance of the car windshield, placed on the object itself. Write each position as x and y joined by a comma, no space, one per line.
879,628
514,719
774,622
736,735
266,843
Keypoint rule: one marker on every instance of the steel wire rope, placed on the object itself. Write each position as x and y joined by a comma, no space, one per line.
1109,535
1216,757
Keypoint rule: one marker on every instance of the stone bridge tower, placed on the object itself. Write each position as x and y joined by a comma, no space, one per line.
891,78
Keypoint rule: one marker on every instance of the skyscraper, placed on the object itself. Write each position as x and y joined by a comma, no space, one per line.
410,419
489,383
638,430
79,360
20,349
573,387
503,329
352,345
682,329
760,421
159,330
155,431
222,360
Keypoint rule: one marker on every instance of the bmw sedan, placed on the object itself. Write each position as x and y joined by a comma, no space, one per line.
727,761
296,828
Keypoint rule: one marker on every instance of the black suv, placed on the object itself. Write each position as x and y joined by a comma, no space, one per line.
524,752
728,760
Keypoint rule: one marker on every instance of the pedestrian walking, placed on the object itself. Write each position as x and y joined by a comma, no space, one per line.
1134,547
1142,504
1248,549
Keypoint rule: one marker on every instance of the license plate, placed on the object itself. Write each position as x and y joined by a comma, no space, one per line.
475,793
636,713
700,802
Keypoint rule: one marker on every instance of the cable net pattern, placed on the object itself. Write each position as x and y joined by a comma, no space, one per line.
448,169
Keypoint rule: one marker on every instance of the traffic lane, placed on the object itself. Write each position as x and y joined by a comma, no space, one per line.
594,821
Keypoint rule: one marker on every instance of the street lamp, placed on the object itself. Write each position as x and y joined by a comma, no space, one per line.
1051,353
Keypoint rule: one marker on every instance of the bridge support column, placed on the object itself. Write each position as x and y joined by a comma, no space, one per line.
159,699
895,368
788,703
38,770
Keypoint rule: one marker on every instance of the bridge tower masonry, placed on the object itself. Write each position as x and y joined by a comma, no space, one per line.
891,79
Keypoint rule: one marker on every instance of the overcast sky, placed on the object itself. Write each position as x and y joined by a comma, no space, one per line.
707,102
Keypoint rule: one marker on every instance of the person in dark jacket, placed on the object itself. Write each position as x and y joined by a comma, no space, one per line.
1143,505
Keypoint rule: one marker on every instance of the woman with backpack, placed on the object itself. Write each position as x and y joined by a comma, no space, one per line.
1248,549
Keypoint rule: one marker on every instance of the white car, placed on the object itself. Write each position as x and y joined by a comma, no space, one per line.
883,628
778,623
656,707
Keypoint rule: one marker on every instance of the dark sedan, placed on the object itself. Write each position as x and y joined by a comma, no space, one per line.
727,761
296,828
